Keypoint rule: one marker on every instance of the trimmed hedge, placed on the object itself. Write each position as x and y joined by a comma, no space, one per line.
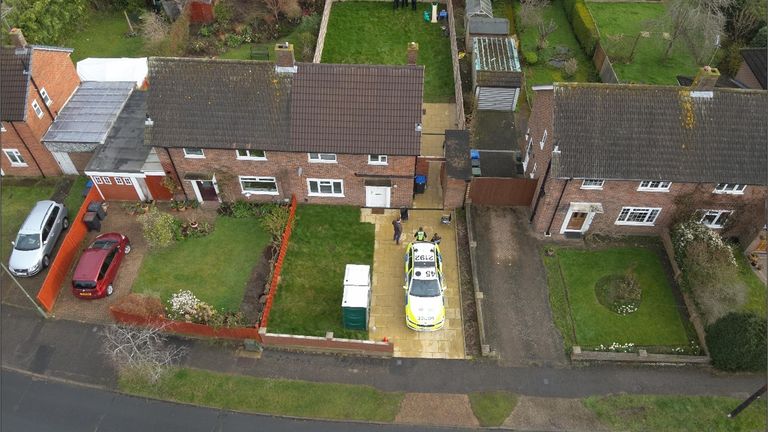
584,27
568,6
737,342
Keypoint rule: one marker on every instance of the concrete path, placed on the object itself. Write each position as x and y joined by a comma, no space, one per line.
432,198
437,118
518,318
388,304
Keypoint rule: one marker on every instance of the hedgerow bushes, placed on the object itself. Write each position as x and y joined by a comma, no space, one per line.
737,342
584,26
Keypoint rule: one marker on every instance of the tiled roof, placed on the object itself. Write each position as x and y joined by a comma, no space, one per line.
756,60
218,104
14,82
638,132
356,109
485,25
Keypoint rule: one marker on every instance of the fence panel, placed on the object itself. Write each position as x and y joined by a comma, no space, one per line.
502,191
279,264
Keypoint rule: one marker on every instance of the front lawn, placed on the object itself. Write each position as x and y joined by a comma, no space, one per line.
104,35
655,324
269,396
648,66
676,413
17,201
325,239
216,268
756,288
373,33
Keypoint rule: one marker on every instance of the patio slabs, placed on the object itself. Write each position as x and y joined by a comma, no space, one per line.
657,325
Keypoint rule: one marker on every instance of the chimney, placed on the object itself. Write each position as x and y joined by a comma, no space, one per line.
285,62
706,79
413,53
17,37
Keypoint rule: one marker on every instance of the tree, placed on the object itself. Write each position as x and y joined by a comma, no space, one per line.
744,18
700,22
141,350
531,13
45,22
545,29
289,8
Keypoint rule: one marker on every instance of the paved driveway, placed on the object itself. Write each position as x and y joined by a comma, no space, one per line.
518,319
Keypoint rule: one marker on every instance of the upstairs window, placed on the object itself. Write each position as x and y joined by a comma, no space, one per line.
377,159
193,153
654,186
244,154
38,110
47,99
714,218
322,157
596,184
729,188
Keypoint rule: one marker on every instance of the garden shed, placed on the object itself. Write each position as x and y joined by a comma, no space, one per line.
496,74
479,8
478,26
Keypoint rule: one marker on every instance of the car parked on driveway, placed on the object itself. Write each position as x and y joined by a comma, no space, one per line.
424,287
37,238
98,265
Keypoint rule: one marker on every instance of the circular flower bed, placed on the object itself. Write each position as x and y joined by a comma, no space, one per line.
620,293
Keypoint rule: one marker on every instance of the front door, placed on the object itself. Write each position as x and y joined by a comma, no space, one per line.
377,196
207,190
576,221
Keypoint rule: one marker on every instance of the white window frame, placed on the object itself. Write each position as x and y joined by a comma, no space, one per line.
107,180
322,194
97,179
527,134
729,188
528,152
2,128
119,181
650,218
592,184
380,159
192,155
127,181
38,110
20,162
248,155
46,97
717,215
543,140
533,170
654,186
318,157
258,179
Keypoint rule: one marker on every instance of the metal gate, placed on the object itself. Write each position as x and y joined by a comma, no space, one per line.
502,191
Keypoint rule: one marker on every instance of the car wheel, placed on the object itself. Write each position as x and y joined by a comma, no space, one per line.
65,223
127,248
46,261
110,289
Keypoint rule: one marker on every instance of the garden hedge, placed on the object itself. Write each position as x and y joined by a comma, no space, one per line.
737,342
568,7
584,27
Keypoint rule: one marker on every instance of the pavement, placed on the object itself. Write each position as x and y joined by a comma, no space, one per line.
518,317
387,315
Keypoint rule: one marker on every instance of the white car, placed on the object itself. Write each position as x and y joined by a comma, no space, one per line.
424,287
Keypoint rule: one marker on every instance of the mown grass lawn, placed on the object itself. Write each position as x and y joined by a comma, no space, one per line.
269,396
103,34
75,196
677,413
373,33
216,268
648,65
325,239
542,73
756,294
492,408
17,201
655,323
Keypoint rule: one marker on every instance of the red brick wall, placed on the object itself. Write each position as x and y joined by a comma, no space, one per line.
422,166
54,71
284,166
28,145
745,76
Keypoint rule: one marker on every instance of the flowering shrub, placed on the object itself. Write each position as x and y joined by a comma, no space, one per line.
687,233
185,306
617,347
157,227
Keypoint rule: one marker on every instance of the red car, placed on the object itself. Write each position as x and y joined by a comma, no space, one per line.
98,266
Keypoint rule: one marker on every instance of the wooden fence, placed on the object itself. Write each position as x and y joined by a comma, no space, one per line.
502,191
66,254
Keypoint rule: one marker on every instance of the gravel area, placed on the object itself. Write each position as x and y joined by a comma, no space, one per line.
436,409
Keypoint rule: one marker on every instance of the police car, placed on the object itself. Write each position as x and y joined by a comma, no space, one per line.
424,287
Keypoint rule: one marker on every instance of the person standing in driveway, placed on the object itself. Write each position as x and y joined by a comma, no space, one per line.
398,226
421,235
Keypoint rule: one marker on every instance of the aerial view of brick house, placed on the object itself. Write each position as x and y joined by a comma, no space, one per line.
261,131
643,156
35,83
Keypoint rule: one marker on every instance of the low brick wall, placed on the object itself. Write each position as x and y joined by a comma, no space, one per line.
485,349
640,357
185,328
326,344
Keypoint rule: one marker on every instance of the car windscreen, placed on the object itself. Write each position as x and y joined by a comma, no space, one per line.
102,244
84,284
26,242
425,287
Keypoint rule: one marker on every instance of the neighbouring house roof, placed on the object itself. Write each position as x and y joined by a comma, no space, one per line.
756,58
15,65
218,104
639,132
357,109
479,8
457,158
319,108
723,81
496,62
85,121
485,25
124,149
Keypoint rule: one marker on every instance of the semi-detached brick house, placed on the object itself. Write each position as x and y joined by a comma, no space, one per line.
35,83
261,131
630,159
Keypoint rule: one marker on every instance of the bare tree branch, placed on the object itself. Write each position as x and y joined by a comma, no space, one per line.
144,349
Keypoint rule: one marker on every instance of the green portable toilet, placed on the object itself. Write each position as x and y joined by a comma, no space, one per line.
357,297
